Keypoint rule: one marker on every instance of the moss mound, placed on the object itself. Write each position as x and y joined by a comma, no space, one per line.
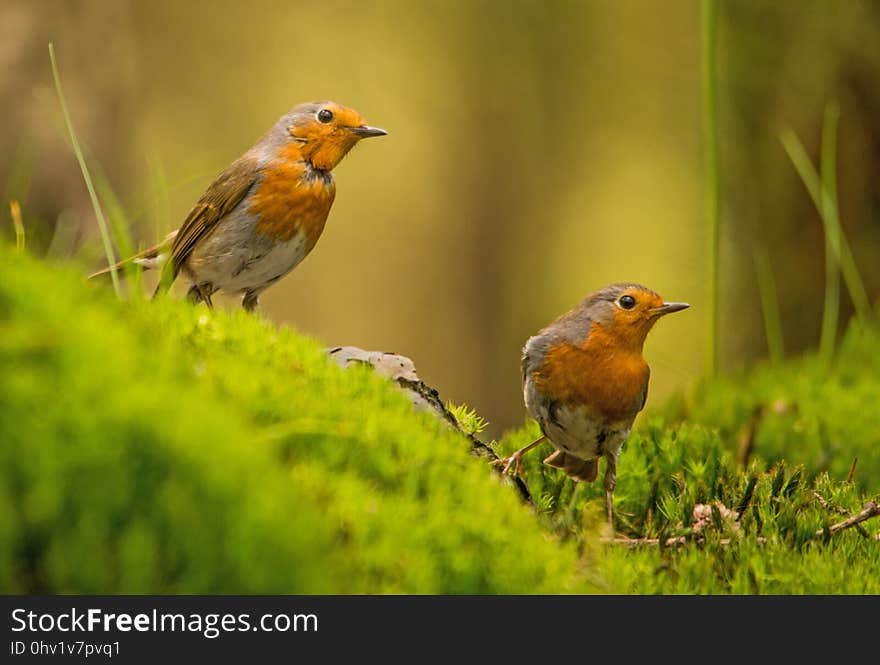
156,447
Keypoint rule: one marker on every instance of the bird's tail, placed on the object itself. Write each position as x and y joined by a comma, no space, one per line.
148,259
582,471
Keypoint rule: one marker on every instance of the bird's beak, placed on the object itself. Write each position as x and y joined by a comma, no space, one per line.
669,308
365,132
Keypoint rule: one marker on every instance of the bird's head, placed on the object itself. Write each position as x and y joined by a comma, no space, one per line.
322,133
628,311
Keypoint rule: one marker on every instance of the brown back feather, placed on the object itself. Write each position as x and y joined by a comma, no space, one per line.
221,197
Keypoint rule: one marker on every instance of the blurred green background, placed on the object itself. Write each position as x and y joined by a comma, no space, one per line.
537,151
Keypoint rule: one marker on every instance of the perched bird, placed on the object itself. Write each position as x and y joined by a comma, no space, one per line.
265,212
584,380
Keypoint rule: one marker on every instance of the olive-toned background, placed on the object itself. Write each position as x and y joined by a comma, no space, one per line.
537,150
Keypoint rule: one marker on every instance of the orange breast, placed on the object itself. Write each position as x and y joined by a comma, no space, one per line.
290,200
600,374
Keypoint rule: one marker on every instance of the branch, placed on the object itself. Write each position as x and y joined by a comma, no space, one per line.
673,541
871,509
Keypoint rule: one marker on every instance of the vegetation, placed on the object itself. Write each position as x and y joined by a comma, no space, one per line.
157,447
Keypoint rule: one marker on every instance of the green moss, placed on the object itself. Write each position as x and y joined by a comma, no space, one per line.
156,447
794,485
821,418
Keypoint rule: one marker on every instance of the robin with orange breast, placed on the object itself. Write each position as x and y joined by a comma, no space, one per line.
263,215
584,380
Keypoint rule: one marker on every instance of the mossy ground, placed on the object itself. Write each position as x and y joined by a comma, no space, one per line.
150,446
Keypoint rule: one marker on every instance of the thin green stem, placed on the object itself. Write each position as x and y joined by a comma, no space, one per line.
711,177
828,181
119,224
807,172
99,214
770,307
161,199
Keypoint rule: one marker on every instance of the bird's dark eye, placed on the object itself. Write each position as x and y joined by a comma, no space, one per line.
325,116
627,302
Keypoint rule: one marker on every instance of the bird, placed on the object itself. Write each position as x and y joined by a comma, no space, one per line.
584,380
264,213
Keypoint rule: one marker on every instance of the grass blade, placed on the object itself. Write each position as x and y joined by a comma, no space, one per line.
161,198
828,182
99,214
17,223
120,226
770,307
711,176
807,172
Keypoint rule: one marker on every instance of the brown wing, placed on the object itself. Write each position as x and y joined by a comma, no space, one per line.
219,200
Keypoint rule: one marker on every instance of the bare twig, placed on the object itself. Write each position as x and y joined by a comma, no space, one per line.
673,541
827,505
839,510
852,470
870,510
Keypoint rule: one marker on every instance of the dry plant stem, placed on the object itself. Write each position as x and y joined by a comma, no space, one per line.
15,213
870,510
839,510
673,541
852,470
827,505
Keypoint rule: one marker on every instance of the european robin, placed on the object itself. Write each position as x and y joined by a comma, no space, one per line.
584,380
264,213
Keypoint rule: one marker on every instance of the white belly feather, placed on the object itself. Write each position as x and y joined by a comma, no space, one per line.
575,429
235,258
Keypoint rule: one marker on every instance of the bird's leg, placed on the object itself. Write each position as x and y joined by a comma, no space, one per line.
515,460
200,293
610,481
250,301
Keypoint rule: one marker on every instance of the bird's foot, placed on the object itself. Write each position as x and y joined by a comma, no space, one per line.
513,462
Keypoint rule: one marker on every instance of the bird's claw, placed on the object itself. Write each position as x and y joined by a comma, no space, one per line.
513,462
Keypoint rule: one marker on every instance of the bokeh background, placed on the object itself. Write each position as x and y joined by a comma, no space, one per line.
537,150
